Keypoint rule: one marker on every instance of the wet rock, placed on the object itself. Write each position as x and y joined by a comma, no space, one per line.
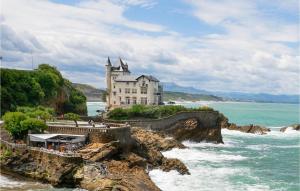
42,166
96,152
174,164
135,160
254,129
192,129
293,127
155,140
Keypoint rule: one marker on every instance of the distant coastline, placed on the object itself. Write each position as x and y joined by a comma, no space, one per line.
184,95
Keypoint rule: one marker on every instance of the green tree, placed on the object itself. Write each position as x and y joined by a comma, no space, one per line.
72,116
12,123
40,112
43,86
35,125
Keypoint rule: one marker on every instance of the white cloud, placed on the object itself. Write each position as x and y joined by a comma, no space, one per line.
251,56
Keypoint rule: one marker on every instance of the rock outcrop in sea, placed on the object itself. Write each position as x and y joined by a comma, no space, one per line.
254,129
293,127
193,130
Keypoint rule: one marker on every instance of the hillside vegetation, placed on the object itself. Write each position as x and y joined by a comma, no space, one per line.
42,86
152,112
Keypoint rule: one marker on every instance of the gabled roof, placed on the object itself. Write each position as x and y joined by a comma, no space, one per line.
149,77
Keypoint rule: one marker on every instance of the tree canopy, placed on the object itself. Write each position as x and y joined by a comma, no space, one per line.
27,118
42,86
72,116
154,112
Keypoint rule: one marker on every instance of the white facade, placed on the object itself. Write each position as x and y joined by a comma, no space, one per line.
124,89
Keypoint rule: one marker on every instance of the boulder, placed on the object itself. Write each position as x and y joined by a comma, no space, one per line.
96,151
155,140
294,127
191,129
254,129
174,164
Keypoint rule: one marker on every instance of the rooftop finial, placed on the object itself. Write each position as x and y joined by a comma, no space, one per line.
108,61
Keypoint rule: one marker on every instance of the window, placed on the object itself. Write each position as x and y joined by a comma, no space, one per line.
127,83
134,91
127,90
127,100
114,93
134,100
114,77
143,90
134,83
143,100
114,86
120,90
120,98
114,102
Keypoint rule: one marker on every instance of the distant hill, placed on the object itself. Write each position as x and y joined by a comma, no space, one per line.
173,87
181,96
90,92
234,96
94,94
174,92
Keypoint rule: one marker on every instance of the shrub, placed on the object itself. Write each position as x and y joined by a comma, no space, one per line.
72,116
18,123
205,108
118,114
142,111
35,125
6,153
12,123
40,112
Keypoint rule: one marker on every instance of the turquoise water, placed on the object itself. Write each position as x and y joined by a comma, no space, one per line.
245,162
94,106
242,113
267,114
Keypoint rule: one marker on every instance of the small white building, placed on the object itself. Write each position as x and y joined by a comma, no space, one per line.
124,89
45,140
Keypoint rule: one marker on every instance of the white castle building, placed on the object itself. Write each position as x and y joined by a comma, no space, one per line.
124,89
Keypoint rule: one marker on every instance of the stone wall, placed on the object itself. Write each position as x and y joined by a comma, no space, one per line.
103,135
208,119
40,164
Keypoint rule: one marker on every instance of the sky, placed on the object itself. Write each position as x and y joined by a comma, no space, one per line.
217,45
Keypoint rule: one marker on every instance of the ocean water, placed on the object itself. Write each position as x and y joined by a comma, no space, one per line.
245,162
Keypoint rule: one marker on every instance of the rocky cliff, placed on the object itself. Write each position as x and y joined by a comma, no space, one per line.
102,166
193,130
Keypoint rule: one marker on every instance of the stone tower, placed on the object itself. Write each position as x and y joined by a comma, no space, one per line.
108,82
